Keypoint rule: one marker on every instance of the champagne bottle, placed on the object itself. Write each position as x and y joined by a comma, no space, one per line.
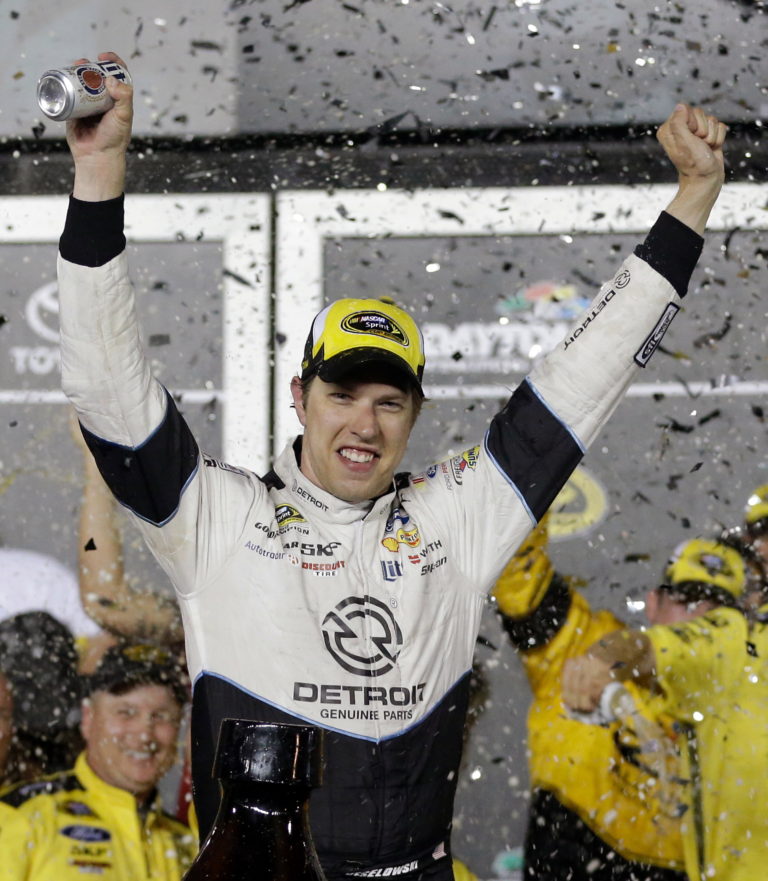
261,831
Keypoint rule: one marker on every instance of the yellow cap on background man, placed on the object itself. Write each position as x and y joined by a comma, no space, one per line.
354,333
756,511
702,569
124,667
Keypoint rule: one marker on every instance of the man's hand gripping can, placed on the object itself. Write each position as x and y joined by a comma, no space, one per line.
72,92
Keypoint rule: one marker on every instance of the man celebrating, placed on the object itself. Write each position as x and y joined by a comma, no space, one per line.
710,672
602,806
333,590
103,816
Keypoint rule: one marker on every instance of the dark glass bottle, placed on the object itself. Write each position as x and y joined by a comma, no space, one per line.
261,831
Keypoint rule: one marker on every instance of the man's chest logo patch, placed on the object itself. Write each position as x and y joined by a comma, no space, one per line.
362,635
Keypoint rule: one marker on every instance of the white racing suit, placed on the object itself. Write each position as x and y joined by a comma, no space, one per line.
359,618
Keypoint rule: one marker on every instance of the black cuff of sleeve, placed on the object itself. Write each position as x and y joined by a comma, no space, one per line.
672,249
93,232
544,621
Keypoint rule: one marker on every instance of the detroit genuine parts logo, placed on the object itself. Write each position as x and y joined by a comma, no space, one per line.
344,631
363,637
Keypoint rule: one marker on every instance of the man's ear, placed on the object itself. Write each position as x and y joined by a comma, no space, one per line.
297,392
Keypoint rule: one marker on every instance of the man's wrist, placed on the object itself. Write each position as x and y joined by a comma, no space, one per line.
698,188
99,179
694,200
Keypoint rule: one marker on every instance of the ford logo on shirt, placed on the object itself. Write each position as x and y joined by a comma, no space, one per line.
86,833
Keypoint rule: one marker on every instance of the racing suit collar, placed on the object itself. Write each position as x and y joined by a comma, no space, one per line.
116,796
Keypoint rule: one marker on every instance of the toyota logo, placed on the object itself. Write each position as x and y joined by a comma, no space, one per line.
363,636
42,311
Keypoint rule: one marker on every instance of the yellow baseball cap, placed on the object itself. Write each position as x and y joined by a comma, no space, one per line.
706,569
351,333
756,510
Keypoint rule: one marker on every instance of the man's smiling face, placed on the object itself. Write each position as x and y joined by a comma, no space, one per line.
131,738
355,435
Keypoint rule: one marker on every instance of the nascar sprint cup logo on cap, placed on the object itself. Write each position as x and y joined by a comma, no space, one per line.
375,324
362,636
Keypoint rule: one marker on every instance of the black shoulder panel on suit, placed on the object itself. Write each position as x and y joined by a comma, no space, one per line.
149,479
533,448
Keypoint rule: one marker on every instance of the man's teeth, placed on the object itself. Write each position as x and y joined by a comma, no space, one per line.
141,756
356,455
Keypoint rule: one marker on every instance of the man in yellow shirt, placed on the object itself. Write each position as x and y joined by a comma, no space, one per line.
103,817
711,673
606,799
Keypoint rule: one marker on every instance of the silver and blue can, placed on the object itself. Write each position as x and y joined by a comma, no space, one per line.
80,90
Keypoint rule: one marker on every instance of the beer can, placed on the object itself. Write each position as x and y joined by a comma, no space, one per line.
72,92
